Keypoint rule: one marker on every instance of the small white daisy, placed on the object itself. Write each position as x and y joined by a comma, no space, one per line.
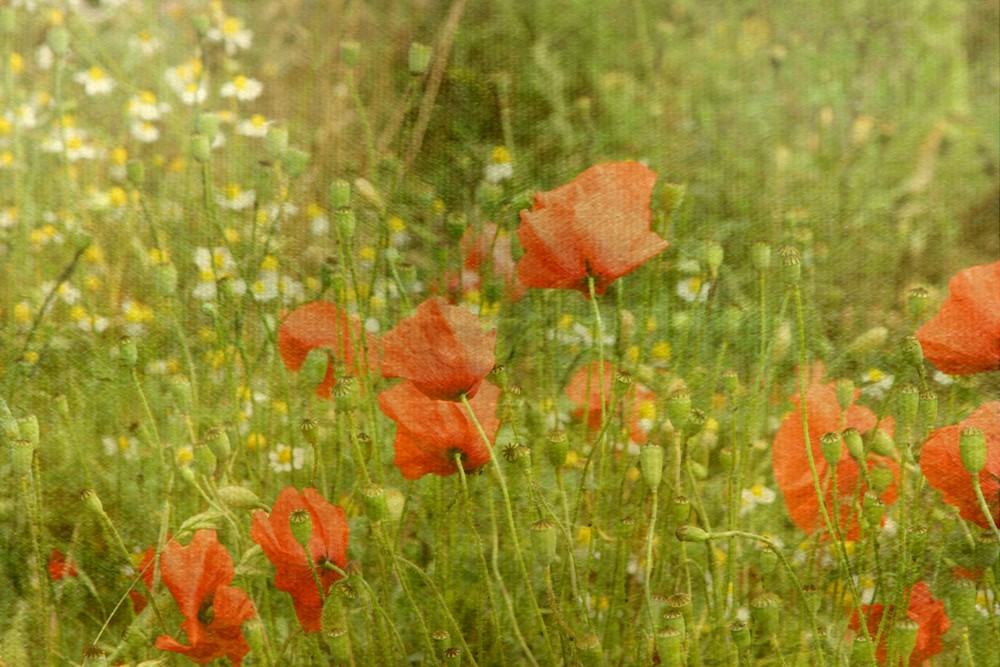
95,81
254,126
286,459
242,88
232,34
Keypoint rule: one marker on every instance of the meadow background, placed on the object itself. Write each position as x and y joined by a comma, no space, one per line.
176,177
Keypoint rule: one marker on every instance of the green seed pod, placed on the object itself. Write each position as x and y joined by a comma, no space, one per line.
690,533
651,465
419,58
669,644
854,443
764,612
239,498
695,423
309,430
881,477
453,655
987,549
92,501
208,125
972,449
204,460
313,369
673,618
845,393
861,652
626,527
589,649
680,509
345,222
766,559
832,446
350,52
295,160
905,633
682,603
928,410
872,509
916,302
373,498
201,148
713,254
218,441
792,263
908,404
397,503
339,642
557,448
963,601
301,524
128,352
813,597
339,194
760,255
911,352
679,409
740,633
883,444
58,40
22,454
698,471
543,542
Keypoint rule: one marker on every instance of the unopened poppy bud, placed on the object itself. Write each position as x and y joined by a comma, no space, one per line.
760,255
908,404
679,408
764,612
345,222
832,446
651,464
301,524
861,652
928,410
135,172
128,352
868,342
881,477
350,52
419,58
373,498
987,549
669,642
872,509
218,441
911,352
972,449
626,526
92,501
201,148
396,502
963,601
695,423
792,263
339,642
188,475
845,393
295,160
713,255
731,381
740,632
543,542
28,426
883,444
239,498
276,142
309,430
313,369
204,459
22,453
855,443
557,448
208,125
680,509
589,649
698,470
916,302
689,533
905,633
58,40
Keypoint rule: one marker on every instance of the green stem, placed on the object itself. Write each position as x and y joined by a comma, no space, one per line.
984,506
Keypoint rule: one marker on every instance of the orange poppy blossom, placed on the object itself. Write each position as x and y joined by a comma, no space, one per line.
941,464
59,566
489,248
197,576
964,336
791,466
584,390
429,433
145,572
441,349
328,543
595,226
321,324
926,611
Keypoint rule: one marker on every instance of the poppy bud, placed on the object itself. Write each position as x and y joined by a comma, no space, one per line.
792,263
396,502
295,161
239,498
928,410
905,634
419,58
908,404
204,459
208,125
376,507
740,632
832,446
308,428
556,448
911,352
680,509
589,648
127,351
765,558
868,342
883,444
764,613
276,142
92,501
679,408
861,652
972,449
669,642
651,464
916,302
201,148
690,533
845,393
218,441
963,601
28,426
187,474
350,51
881,477
854,443
543,542
713,255
22,453
301,524
345,221
58,40
698,471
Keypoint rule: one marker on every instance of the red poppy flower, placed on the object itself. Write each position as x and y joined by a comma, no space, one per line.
490,249
197,576
321,324
923,610
328,544
597,225
145,570
791,466
584,391
440,348
429,432
60,567
942,465
964,337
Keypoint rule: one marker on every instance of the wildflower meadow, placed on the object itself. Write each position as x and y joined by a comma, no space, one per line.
496,333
